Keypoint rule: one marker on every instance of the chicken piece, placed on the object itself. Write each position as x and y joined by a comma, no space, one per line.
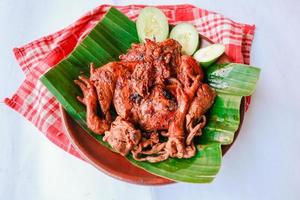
156,111
195,118
101,85
149,139
167,51
142,78
164,56
156,154
190,151
195,129
175,145
159,157
136,53
166,59
152,112
150,150
190,74
122,136
89,99
121,99
104,80
171,52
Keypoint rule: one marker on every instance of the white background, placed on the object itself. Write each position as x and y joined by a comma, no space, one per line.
264,163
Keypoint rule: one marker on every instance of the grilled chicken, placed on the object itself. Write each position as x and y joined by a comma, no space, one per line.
157,109
122,136
89,99
195,118
158,96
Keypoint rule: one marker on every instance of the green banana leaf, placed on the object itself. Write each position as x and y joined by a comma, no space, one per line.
112,36
201,168
233,78
231,81
223,119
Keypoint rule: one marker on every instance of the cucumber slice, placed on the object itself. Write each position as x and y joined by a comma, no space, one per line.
208,55
187,35
152,24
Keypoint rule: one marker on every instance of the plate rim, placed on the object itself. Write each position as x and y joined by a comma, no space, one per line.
112,173
157,180
163,181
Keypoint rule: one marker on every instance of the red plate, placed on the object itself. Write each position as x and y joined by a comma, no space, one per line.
114,164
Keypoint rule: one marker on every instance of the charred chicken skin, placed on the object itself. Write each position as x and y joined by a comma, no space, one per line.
159,98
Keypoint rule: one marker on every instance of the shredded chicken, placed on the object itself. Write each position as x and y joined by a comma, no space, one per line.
94,122
195,118
159,99
122,136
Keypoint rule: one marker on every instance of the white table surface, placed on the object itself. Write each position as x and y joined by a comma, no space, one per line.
264,162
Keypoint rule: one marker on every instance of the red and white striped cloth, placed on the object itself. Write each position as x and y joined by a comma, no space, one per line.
40,107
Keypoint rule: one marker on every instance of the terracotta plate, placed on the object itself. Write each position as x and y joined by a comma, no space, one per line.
112,163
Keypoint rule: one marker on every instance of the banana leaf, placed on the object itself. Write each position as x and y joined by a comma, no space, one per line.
231,81
223,119
201,168
233,78
112,36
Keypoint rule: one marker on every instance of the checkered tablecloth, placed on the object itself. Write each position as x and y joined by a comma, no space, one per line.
39,106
